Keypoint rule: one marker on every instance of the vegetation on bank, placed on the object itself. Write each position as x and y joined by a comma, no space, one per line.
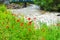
14,28
49,5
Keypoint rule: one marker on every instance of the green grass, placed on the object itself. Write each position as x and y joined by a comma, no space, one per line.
13,28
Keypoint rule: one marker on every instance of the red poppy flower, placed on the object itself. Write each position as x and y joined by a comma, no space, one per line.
29,18
18,20
29,23
21,24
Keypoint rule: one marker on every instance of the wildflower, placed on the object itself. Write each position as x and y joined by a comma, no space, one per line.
18,20
21,24
7,26
29,23
29,18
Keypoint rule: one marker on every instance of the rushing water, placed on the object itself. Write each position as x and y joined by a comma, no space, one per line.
33,11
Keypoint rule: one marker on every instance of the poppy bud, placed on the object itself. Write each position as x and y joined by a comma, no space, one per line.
29,18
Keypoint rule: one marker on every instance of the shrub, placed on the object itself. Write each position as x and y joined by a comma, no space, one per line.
49,5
